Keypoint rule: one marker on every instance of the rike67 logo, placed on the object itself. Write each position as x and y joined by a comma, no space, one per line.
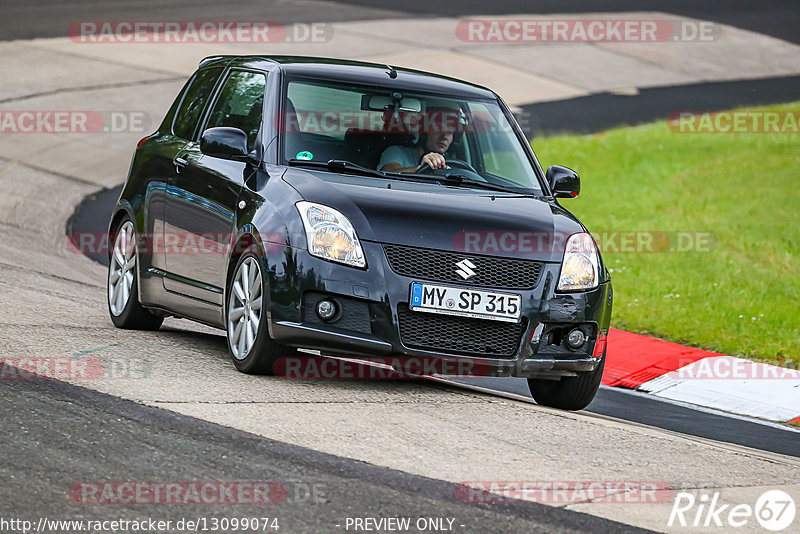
774,510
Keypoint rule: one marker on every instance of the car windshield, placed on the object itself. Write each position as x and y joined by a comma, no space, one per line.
384,129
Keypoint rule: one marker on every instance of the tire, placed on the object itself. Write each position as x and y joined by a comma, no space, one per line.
569,393
122,288
249,344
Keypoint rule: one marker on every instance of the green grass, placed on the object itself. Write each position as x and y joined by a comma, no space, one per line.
741,298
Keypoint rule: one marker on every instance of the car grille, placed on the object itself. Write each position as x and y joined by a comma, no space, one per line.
440,266
459,335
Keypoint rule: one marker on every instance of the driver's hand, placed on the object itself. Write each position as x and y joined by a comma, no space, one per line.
434,161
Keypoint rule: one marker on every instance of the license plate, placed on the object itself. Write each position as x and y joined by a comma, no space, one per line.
473,303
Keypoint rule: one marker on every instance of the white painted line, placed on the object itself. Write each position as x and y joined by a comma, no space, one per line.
704,409
733,385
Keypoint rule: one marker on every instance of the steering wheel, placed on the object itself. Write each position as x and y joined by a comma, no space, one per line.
459,164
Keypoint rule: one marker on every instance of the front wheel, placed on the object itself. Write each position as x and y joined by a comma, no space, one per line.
569,393
122,289
249,344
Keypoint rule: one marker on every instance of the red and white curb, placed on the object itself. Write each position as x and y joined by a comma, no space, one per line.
695,376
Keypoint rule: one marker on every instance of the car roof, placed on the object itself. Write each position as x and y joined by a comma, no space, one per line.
360,72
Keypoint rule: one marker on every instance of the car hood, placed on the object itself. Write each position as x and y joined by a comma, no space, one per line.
441,217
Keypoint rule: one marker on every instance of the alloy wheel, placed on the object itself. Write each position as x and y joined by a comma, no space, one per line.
121,269
244,308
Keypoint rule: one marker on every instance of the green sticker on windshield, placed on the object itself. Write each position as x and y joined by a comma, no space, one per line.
304,155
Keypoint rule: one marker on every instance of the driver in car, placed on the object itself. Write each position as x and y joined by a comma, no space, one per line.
429,149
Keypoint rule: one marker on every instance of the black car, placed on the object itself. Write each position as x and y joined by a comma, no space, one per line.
361,210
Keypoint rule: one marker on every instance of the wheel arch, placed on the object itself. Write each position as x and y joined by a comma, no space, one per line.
246,237
243,240
122,210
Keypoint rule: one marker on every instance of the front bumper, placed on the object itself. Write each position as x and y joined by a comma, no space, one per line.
375,300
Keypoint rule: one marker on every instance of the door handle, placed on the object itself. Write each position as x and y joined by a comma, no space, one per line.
179,163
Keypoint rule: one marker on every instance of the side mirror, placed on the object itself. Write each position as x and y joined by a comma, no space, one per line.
564,182
224,142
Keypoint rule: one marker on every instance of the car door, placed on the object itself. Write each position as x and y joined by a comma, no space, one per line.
200,212
165,148
155,166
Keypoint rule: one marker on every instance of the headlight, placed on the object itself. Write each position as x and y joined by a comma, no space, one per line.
580,267
330,235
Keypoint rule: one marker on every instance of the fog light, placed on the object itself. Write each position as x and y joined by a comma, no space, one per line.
326,309
576,338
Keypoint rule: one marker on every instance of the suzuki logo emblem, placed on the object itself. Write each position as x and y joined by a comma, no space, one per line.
465,269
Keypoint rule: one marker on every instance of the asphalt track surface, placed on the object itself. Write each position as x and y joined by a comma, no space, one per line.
61,430
53,430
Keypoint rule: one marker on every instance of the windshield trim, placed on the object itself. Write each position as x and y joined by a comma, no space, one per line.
448,180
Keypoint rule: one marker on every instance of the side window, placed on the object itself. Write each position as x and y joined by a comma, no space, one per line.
240,104
194,101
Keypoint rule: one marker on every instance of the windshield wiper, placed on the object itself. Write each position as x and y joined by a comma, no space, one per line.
337,165
456,179
344,165
340,165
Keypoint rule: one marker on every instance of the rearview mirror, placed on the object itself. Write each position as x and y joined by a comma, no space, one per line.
564,182
224,142
380,103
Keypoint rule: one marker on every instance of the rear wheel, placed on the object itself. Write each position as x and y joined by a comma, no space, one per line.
569,393
122,289
249,344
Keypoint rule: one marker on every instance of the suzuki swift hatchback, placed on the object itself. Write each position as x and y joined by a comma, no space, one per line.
360,210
